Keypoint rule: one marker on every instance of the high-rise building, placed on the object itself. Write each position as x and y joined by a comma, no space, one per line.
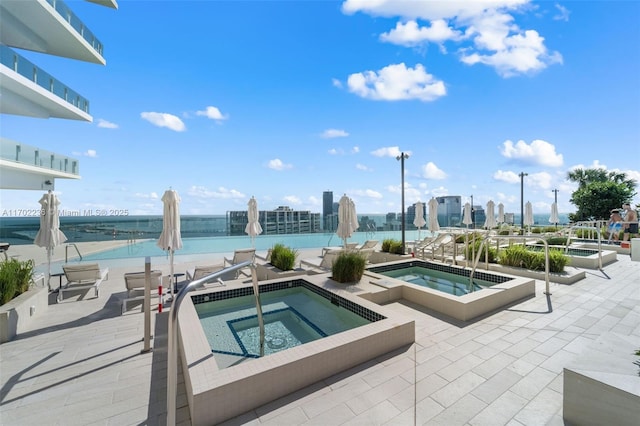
329,212
282,220
49,27
449,210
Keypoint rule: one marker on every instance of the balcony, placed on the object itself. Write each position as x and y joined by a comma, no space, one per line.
48,26
27,167
29,91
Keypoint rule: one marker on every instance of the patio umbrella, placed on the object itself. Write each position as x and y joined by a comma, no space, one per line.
49,235
500,213
419,221
433,215
253,227
170,238
347,219
467,215
554,214
528,214
490,222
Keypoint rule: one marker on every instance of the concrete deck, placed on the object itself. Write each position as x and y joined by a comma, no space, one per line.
81,363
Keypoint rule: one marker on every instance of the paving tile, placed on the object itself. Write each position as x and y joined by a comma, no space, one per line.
500,411
460,412
457,389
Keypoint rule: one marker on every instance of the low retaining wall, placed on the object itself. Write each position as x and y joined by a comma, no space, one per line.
16,315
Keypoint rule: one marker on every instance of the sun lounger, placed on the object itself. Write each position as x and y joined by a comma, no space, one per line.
320,264
201,272
135,284
83,276
240,256
369,244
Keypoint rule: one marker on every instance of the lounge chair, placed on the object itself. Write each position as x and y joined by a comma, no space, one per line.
438,243
135,284
369,244
201,271
349,246
240,256
82,276
320,264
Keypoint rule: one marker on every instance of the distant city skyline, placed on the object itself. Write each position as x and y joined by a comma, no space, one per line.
302,97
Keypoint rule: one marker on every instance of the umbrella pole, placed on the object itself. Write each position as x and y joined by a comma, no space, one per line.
173,277
49,268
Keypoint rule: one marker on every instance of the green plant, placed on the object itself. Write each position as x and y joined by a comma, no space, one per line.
386,244
557,260
348,267
519,256
390,245
472,250
513,256
283,257
557,241
15,278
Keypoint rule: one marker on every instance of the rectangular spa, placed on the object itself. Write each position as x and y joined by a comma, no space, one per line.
491,291
325,331
583,257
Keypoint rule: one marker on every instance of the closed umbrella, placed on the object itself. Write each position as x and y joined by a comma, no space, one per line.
467,215
419,221
434,226
490,221
554,214
253,227
347,219
528,214
500,213
49,235
170,238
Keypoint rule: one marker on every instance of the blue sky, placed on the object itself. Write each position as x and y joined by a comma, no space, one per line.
282,100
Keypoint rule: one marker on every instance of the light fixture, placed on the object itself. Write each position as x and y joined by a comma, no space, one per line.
403,156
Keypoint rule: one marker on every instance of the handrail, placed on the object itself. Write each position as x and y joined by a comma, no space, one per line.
172,350
66,252
526,237
597,229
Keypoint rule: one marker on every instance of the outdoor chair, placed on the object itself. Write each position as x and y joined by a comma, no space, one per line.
240,256
438,243
320,264
135,284
369,244
201,271
82,276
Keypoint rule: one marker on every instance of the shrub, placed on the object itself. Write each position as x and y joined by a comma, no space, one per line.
386,245
513,256
390,245
283,257
519,256
473,248
15,278
557,261
348,267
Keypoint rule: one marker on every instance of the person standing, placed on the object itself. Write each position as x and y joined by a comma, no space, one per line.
615,225
630,221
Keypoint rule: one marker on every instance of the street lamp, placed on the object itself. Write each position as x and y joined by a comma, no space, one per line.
401,158
522,175
555,195
473,216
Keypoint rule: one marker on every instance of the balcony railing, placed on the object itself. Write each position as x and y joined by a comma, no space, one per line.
27,69
66,13
30,155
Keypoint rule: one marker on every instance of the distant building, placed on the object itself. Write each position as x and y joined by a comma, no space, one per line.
479,216
449,210
329,212
282,220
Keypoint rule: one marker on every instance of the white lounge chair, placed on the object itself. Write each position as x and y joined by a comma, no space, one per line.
201,271
82,276
135,284
240,256
438,243
369,244
320,264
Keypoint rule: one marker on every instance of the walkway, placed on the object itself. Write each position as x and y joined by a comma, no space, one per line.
81,364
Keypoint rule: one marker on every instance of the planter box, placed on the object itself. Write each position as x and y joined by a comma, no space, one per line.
569,276
270,272
602,385
16,315
383,257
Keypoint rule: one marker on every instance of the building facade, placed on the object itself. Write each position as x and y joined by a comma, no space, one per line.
282,220
49,27
450,210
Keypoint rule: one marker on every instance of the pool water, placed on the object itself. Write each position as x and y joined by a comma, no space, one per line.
453,284
571,251
292,317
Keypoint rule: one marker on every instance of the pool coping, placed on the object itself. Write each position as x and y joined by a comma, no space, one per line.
465,307
215,395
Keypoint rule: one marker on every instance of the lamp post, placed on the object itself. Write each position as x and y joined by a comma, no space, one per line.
522,175
555,196
473,217
401,158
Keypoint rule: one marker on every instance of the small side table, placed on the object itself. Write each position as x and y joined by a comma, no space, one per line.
59,275
175,280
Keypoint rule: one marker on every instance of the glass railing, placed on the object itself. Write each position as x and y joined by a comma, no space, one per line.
27,69
26,154
66,13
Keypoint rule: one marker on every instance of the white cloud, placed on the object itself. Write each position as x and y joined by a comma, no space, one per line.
144,196
563,13
595,165
213,113
363,167
88,153
397,82
390,151
431,171
277,164
333,151
484,30
539,152
162,119
440,191
355,150
106,124
506,176
220,192
292,199
368,193
334,133
541,180
410,34
336,83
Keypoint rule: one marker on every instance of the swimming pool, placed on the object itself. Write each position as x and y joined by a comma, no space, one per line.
292,316
454,284
500,290
218,392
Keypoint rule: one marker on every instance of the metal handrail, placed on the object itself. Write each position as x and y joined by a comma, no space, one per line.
597,229
525,237
172,350
66,252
